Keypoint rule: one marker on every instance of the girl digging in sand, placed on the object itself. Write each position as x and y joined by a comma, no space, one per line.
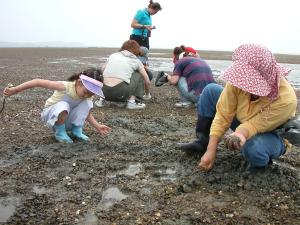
70,105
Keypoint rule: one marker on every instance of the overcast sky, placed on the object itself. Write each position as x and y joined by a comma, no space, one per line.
209,24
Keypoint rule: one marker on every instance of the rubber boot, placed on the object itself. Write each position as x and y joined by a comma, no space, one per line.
77,132
61,135
203,126
202,132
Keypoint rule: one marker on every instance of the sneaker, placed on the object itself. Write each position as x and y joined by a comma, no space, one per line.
183,104
100,102
147,97
135,105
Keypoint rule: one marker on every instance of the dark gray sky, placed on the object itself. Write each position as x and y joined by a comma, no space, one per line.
209,24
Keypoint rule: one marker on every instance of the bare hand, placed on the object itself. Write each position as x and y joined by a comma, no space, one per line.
9,90
207,160
234,141
148,27
103,129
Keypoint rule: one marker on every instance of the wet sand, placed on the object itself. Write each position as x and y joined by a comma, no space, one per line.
133,176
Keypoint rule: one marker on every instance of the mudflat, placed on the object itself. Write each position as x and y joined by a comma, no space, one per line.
133,176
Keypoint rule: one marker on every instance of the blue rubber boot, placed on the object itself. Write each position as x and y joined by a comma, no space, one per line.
77,132
61,134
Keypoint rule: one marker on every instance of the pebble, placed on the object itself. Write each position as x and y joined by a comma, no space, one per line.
158,214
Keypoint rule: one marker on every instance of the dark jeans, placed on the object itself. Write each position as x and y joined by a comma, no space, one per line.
260,149
142,40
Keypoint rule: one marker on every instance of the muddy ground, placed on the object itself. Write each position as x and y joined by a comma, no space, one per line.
133,176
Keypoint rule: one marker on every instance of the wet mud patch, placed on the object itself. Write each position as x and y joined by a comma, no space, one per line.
132,184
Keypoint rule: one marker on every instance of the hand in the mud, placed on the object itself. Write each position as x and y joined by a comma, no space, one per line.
103,129
207,160
234,141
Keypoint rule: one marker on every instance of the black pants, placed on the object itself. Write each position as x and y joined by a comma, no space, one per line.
142,40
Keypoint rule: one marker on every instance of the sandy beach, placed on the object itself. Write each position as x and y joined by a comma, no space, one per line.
135,175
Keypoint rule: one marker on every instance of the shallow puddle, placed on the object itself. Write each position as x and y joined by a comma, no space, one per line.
8,207
110,196
168,175
89,219
39,190
132,170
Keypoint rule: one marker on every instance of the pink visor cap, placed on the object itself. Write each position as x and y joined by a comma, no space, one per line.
92,85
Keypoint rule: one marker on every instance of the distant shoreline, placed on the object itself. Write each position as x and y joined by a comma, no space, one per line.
206,54
226,55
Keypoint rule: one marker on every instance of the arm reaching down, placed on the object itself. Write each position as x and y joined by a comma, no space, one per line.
144,74
102,129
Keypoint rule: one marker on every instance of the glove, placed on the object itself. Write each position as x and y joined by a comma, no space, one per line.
161,78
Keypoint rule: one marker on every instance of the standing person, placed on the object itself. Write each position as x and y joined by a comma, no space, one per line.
125,78
256,100
190,75
70,105
143,57
145,60
142,24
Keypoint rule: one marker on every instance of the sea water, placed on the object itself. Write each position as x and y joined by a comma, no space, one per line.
157,62
218,66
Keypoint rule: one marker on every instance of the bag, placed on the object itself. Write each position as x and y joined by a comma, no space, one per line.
161,79
290,131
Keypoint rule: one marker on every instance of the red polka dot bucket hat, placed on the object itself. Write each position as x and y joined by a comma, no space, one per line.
254,69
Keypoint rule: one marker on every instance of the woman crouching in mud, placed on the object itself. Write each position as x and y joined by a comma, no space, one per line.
256,100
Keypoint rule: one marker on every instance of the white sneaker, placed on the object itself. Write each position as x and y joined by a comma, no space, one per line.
100,102
147,97
135,105
183,104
